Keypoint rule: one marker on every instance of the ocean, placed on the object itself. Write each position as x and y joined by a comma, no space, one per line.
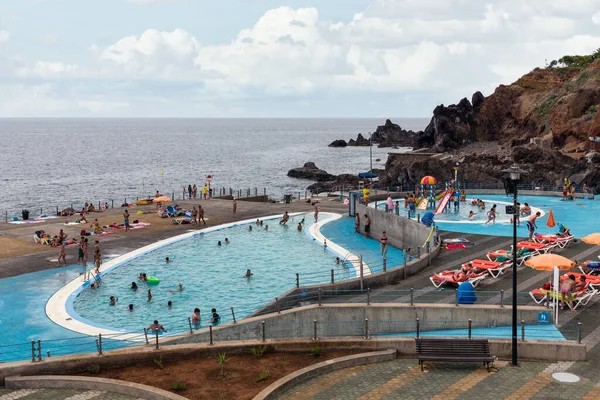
49,163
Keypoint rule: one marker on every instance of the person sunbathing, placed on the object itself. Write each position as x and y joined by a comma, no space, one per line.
590,267
461,274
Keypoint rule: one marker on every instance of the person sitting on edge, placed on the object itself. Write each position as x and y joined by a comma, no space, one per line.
248,274
284,219
216,318
196,316
156,327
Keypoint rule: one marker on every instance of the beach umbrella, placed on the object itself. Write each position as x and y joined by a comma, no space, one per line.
162,199
593,238
550,222
547,262
428,180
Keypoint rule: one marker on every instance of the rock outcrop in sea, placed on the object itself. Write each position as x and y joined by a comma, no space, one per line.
387,135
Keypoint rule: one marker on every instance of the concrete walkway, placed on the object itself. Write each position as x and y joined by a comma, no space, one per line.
61,394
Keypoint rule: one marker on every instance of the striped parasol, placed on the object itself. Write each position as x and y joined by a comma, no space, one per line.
428,180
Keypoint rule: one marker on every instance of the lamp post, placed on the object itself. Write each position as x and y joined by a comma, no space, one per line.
371,151
514,174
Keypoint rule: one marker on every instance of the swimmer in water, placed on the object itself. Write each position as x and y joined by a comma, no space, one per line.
179,288
471,214
267,227
149,294
248,274
299,227
134,286
227,241
249,228
196,316
113,300
169,304
219,243
167,260
338,261
131,307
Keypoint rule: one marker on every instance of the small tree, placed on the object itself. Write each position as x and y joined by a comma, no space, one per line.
222,361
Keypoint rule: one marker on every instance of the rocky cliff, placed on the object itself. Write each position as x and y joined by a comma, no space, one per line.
387,135
542,121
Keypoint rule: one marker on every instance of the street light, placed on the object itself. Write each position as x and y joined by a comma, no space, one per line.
371,151
514,174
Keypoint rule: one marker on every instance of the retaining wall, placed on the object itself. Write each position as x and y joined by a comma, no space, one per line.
342,320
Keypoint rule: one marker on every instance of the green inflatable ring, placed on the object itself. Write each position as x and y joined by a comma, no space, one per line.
152,280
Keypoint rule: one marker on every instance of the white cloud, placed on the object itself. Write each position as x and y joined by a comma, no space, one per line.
426,49
4,37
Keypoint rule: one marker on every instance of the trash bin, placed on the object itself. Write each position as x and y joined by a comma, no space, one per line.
25,215
287,198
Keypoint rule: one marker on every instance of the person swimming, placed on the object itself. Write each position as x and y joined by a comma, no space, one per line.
219,243
196,316
248,273
299,227
133,286
149,294
471,214
113,300
167,260
227,241
169,304
267,227
131,307
249,228
179,288
338,261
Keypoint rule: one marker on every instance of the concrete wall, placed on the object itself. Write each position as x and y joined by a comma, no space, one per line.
342,320
403,233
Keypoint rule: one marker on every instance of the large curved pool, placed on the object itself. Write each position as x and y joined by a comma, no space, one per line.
212,276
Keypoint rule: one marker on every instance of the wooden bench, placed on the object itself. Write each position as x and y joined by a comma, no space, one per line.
455,350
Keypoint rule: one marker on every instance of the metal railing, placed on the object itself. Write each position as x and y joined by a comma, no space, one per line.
366,329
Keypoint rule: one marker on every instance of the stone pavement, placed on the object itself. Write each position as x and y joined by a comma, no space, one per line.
60,394
403,379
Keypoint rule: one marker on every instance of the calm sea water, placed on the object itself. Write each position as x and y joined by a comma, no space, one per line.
56,162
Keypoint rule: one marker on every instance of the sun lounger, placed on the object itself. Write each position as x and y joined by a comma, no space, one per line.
506,255
561,240
592,281
536,248
181,221
580,298
447,277
494,268
590,267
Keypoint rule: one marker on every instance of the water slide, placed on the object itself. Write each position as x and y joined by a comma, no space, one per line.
442,204
422,204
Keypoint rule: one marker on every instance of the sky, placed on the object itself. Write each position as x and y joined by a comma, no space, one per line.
275,58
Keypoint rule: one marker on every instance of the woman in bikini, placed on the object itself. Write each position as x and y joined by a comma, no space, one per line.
356,223
383,239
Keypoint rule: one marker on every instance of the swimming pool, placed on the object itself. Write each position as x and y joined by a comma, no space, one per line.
578,215
212,276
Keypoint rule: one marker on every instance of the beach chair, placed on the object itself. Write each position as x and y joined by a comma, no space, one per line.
535,248
181,221
506,255
590,268
592,281
540,296
36,238
580,298
447,277
494,268
561,240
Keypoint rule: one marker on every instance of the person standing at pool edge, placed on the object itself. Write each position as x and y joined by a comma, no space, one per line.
367,225
234,204
126,220
531,226
383,239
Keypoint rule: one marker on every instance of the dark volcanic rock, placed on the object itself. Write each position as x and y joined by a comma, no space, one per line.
387,135
360,141
477,99
450,127
312,172
338,143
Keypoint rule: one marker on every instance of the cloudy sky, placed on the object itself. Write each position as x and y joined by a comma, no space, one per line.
275,58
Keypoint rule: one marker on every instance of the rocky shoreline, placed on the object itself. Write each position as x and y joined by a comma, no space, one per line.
548,122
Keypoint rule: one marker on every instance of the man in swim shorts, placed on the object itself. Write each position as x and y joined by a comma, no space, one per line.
156,327
367,225
126,220
566,289
531,226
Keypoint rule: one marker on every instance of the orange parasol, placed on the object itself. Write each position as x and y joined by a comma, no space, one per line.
428,180
593,238
162,199
550,222
547,262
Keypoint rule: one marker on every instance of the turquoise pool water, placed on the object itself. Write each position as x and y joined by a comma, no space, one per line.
541,332
22,310
579,215
212,276
341,231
